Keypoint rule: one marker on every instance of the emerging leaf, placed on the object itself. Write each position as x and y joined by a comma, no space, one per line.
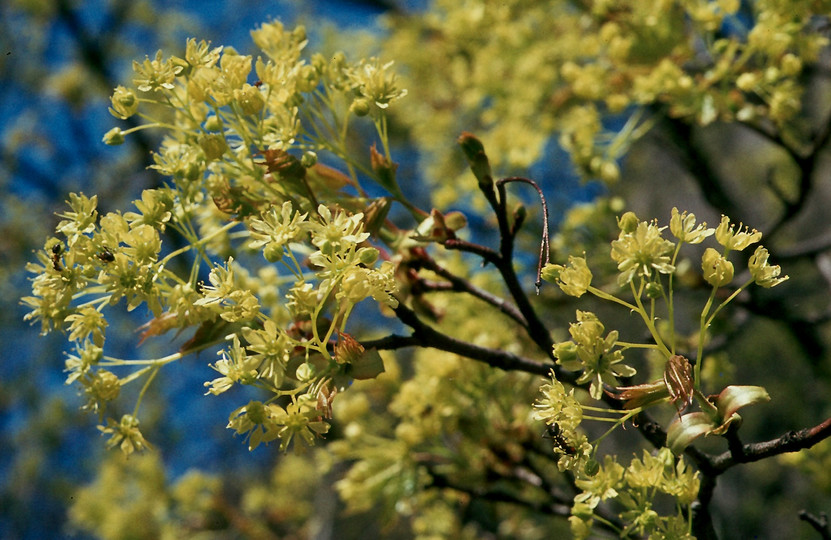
685,429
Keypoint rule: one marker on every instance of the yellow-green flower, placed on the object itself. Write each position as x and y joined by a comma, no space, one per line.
732,237
573,279
764,274
717,270
85,322
125,103
156,74
642,251
595,354
125,434
683,227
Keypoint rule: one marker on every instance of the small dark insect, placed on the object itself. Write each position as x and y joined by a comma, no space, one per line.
57,250
554,433
258,84
106,256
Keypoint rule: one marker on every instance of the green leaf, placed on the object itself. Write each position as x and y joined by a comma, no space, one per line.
734,398
684,430
367,366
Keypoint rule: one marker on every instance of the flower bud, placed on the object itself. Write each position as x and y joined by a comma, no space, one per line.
609,172
653,290
308,159
273,252
213,123
717,270
368,255
249,98
114,137
213,145
125,103
360,107
592,467
628,222
305,372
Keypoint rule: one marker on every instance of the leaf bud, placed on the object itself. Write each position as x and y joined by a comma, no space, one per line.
474,151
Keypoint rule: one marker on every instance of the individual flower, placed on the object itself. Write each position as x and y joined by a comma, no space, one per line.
100,388
269,349
300,419
732,237
236,367
574,279
181,161
377,82
83,216
717,270
125,434
85,322
257,420
235,69
603,485
250,99
335,233
302,299
278,43
683,227
156,74
153,209
143,244
79,364
595,354
764,274
642,251
213,145
359,283
200,54
274,229
221,287
113,137
556,406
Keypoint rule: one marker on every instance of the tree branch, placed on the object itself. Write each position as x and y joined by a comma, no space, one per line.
792,441
426,336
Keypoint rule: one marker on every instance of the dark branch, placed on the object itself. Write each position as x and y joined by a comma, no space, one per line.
462,285
792,441
819,523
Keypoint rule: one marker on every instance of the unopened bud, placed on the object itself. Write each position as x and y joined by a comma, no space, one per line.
114,137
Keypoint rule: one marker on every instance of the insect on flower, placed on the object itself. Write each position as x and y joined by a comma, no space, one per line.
555,433
57,250
106,256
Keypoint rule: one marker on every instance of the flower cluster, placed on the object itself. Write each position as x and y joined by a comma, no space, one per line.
236,185
629,59
636,487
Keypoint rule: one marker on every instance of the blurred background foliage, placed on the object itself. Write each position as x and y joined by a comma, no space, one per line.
501,71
